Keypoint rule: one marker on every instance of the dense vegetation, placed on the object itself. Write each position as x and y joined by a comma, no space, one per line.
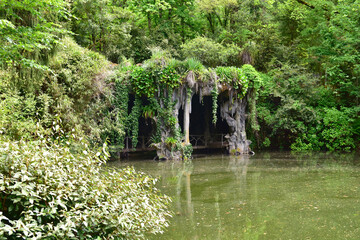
66,68
308,52
162,85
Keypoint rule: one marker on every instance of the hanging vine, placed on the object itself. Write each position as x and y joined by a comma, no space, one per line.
155,82
214,95
255,83
133,121
120,102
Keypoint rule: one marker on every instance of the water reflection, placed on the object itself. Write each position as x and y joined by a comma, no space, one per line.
184,181
233,168
239,166
267,196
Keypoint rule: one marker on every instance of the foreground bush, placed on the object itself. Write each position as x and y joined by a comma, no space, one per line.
53,192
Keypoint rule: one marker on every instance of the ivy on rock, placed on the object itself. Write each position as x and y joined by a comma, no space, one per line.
162,85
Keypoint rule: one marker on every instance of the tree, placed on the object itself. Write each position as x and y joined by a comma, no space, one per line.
103,26
28,30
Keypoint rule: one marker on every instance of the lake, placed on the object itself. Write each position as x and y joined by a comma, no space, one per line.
272,195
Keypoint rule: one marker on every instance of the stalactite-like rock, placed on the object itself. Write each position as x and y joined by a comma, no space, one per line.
187,111
176,98
190,79
234,114
232,110
165,88
166,149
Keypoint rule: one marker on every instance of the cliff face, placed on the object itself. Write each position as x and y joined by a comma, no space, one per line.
167,89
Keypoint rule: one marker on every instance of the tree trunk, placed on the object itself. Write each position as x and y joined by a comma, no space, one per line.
149,22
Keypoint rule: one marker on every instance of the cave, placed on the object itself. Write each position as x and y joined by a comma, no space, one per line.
203,134
194,114
191,110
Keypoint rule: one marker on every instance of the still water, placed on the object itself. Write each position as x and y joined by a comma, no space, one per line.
266,196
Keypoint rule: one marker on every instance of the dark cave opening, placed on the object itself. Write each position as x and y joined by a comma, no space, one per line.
204,135
146,126
201,118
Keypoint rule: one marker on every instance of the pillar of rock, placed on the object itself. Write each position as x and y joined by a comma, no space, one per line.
234,114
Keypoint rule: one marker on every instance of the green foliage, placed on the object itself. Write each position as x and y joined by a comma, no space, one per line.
171,142
75,91
296,112
253,76
75,69
143,82
147,82
149,111
255,83
337,57
337,133
267,142
103,26
209,52
283,103
28,30
18,115
163,23
132,122
214,95
53,192
187,151
165,108
120,103
235,77
192,64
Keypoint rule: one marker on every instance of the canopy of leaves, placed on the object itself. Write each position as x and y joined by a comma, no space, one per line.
29,28
211,53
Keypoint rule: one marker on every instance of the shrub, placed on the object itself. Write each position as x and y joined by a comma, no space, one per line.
337,132
19,114
75,68
74,88
209,52
55,192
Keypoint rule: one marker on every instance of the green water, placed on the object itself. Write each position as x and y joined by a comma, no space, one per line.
267,196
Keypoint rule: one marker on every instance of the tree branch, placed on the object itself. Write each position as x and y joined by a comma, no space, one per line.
306,4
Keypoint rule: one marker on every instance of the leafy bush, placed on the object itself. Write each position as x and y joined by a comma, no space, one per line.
338,133
334,131
286,107
146,81
235,77
19,115
209,52
56,192
75,90
75,68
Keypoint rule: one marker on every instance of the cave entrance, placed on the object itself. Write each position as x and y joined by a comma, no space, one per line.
145,132
203,134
